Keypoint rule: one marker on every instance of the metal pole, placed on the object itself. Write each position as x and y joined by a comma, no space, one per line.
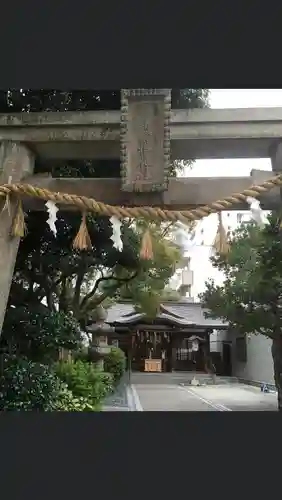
129,368
130,360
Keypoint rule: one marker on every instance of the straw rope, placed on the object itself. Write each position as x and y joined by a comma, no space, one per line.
85,204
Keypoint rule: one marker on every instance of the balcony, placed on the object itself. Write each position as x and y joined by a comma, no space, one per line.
185,282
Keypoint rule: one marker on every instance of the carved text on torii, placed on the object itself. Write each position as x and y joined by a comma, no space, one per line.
145,139
143,169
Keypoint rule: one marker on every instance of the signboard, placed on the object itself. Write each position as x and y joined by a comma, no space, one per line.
145,139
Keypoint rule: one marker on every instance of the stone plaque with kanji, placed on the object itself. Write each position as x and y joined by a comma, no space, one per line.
145,139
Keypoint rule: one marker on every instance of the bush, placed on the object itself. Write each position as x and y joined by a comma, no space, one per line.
115,363
81,354
38,334
27,386
83,380
66,401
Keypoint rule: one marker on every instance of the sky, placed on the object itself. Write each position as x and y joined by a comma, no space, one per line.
206,230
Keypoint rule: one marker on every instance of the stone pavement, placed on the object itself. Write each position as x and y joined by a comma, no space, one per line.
161,392
237,397
165,397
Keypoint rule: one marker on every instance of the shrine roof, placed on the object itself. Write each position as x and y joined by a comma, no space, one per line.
180,313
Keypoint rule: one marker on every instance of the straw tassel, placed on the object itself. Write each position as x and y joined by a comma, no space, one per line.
221,244
7,204
19,226
146,251
82,240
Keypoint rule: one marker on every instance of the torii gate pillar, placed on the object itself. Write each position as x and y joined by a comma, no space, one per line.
276,157
16,162
276,160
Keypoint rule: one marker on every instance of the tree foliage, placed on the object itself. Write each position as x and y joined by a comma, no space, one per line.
27,386
146,291
84,381
27,100
34,332
252,286
49,269
251,293
115,363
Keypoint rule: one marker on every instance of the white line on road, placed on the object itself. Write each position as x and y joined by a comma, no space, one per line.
138,406
222,407
216,406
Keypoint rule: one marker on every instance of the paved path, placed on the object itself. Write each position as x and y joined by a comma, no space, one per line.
239,397
169,398
160,395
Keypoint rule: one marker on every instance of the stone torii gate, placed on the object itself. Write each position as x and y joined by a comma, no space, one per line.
146,135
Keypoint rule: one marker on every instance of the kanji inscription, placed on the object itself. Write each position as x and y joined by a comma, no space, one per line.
145,139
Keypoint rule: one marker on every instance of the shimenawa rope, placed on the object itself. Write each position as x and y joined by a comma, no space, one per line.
154,213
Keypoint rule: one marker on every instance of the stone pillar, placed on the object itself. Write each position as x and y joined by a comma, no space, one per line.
16,162
276,158
102,348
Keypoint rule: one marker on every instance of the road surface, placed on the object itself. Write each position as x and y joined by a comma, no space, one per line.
164,396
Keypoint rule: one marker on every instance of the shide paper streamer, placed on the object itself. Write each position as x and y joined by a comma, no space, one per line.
116,236
256,211
52,210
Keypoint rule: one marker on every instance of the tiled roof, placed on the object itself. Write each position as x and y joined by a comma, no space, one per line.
116,311
184,313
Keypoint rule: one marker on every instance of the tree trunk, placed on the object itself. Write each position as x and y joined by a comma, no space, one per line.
277,365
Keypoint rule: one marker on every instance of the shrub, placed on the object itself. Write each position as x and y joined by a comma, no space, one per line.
66,401
81,354
38,334
27,386
115,363
83,380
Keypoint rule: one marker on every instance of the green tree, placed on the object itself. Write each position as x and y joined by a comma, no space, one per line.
34,332
147,291
251,294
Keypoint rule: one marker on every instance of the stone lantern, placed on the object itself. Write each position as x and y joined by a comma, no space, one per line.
99,331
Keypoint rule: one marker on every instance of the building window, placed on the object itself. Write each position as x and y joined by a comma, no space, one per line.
182,354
